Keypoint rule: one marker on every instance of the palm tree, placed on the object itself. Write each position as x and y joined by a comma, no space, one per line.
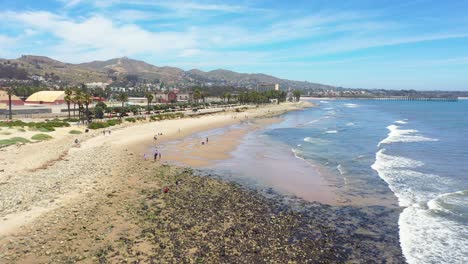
203,95
78,100
9,91
87,99
68,99
228,96
123,97
197,95
150,98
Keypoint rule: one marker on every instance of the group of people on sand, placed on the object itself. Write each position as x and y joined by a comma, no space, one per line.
106,131
205,141
156,154
155,138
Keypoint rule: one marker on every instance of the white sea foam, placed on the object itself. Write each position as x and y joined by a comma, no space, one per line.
401,122
350,124
314,121
425,236
403,135
429,238
328,108
331,131
453,203
324,102
341,169
315,140
351,105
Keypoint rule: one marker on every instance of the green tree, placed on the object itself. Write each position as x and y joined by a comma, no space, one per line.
9,91
68,99
197,95
297,95
87,99
149,98
228,96
78,100
123,98
99,110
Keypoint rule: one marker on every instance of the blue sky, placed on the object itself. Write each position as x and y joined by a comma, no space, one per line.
417,44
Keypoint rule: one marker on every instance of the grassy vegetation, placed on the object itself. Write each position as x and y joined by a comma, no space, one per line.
12,141
47,126
5,133
41,137
75,132
21,130
46,129
108,123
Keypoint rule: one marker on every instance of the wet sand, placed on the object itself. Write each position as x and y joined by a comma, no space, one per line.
263,166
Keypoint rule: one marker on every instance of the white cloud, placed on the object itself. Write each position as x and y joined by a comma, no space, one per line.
175,5
101,37
6,43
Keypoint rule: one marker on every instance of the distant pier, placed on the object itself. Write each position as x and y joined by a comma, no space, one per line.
394,98
415,98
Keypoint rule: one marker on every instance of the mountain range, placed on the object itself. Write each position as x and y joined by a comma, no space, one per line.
121,68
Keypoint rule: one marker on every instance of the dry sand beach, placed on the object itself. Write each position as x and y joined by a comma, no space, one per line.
102,202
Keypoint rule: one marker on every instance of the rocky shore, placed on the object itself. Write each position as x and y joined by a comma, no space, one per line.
163,214
104,203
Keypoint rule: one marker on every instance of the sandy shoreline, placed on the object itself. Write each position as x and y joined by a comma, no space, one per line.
102,202
37,178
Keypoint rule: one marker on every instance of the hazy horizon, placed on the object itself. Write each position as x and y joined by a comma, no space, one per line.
395,45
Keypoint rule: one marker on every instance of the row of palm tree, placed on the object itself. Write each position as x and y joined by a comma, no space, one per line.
81,98
197,95
227,96
261,97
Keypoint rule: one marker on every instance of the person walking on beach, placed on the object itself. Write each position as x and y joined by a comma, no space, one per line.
145,157
156,156
206,140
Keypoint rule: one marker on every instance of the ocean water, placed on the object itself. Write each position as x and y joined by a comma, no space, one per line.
374,151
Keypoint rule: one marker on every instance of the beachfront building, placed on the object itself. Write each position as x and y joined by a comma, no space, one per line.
263,87
184,97
137,100
47,97
14,99
165,97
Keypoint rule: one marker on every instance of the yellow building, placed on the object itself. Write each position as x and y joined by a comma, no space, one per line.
47,97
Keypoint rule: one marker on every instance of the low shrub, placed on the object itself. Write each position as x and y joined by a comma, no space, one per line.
113,122
71,120
130,119
41,137
75,132
46,129
12,141
21,130
98,125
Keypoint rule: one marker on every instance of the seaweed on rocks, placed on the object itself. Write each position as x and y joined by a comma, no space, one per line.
206,220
